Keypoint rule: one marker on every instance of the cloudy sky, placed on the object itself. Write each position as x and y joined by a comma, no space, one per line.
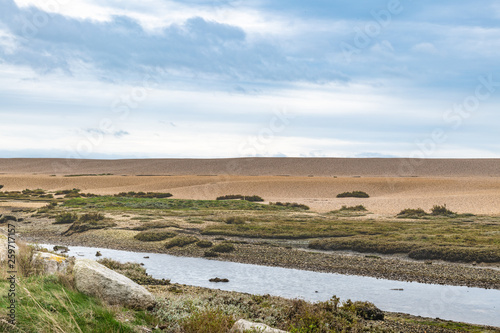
223,78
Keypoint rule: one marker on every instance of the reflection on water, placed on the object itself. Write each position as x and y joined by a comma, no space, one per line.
472,305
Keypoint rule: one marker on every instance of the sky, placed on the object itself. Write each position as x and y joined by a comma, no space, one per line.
215,79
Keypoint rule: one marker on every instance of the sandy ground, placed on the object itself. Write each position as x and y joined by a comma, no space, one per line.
389,195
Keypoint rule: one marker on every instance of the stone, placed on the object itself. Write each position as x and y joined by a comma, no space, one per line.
97,280
243,325
51,263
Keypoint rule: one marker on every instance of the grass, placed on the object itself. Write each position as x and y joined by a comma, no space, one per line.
235,220
49,307
125,203
154,236
354,194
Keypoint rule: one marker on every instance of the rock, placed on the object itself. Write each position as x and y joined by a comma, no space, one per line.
98,254
243,325
94,279
50,262
217,280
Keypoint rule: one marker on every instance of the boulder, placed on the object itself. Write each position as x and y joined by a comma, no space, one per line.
243,325
94,279
50,262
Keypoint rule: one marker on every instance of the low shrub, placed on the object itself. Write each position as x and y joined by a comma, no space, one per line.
290,204
354,194
133,194
408,212
204,244
358,208
208,321
224,248
181,241
91,217
66,218
365,310
252,198
154,236
235,220
441,210
87,222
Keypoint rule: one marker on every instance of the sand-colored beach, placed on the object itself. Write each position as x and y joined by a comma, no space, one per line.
465,186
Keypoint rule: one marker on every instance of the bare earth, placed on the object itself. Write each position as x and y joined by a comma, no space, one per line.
465,186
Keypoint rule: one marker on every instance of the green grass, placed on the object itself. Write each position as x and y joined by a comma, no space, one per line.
46,306
125,203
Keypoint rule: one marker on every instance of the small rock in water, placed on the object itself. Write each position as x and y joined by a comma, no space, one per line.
146,257
217,280
98,254
398,289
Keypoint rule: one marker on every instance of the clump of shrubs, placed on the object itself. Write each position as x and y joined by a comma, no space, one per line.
87,222
235,220
436,210
353,194
358,208
225,247
441,210
133,271
252,198
154,236
290,204
181,241
66,218
409,212
75,193
150,195
204,244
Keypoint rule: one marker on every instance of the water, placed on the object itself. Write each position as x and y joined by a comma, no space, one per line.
470,305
